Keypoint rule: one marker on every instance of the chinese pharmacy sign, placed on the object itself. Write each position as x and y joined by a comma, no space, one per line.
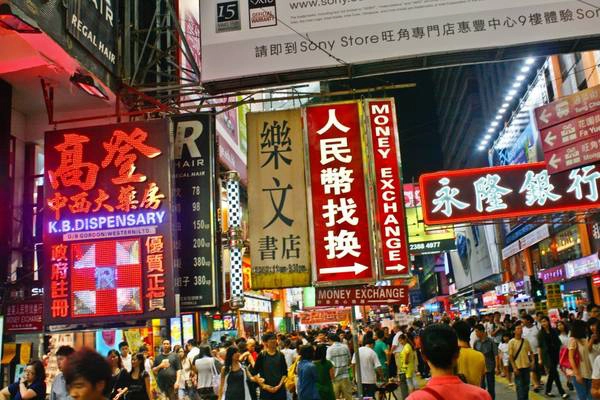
338,202
385,156
505,192
277,196
107,223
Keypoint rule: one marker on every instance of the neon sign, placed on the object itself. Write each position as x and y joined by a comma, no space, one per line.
107,224
481,194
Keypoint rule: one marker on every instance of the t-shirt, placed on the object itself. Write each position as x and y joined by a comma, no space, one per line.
307,381
531,334
59,388
39,387
585,367
471,364
489,350
127,362
522,360
450,388
137,387
396,343
206,368
596,369
503,347
339,355
166,377
271,368
289,356
380,349
369,362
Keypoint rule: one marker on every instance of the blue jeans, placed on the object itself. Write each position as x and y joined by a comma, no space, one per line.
522,379
584,389
489,382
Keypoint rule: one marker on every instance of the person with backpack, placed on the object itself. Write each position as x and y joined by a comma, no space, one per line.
520,357
439,345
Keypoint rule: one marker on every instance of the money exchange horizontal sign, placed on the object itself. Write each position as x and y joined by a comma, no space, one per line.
505,192
361,295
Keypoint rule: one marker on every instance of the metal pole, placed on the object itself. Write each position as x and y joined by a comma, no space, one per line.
357,371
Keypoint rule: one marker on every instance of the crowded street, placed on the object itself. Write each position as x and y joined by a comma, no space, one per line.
299,199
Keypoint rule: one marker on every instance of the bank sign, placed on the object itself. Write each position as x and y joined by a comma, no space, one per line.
93,23
107,223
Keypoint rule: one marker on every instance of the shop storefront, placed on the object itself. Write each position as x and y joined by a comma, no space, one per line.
257,315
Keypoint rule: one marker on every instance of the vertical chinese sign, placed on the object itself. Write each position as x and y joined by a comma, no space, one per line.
107,223
279,246
340,224
195,198
389,199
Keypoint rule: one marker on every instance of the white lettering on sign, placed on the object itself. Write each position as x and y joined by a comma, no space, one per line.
446,199
335,149
104,7
333,122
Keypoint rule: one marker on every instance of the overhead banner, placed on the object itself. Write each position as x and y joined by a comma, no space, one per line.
389,199
339,213
481,194
279,244
196,257
325,316
94,25
258,37
24,316
107,223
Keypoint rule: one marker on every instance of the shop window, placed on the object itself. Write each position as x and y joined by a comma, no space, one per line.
547,258
568,245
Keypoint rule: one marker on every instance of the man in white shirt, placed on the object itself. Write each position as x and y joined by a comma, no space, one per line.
59,389
125,355
192,349
370,367
530,332
339,355
396,346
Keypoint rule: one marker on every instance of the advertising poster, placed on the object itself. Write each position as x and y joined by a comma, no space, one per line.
107,223
471,260
279,242
196,202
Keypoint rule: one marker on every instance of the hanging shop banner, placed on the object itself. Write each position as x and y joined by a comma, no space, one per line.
107,223
242,38
386,170
362,295
339,210
94,25
481,194
325,316
279,244
196,258
552,275
565,109
24,316
582,266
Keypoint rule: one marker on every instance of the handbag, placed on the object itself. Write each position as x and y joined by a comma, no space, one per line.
216,378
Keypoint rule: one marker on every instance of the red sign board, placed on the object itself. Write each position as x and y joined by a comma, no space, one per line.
326,316
361,295
596,280
25,316
107,223
385,156
482,194
567,108
573,156
412,195
570,132
339,208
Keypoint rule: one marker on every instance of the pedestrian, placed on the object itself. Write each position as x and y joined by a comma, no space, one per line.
488,348
233,377
521,359
530,332
186,389
307,375
471,363
192,349
497,334
167,370
370,367
87,375
205,369
139,387
594,338
325,373
288,352
339,355
271,367
549,350
506,367
563,335
117,386
149,361
59,389
125,355
30,386
579,360
439,344
382,351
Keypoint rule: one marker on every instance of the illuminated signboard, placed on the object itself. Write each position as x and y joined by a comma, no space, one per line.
481,194
107,223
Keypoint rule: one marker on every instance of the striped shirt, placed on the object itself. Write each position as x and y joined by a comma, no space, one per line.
339,355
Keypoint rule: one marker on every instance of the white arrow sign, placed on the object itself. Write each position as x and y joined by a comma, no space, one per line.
398,268
554,161
549,139
357,268
544,116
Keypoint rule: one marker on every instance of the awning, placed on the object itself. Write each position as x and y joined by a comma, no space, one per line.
9,351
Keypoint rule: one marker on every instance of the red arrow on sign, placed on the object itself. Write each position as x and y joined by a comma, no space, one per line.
581,153
572,131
